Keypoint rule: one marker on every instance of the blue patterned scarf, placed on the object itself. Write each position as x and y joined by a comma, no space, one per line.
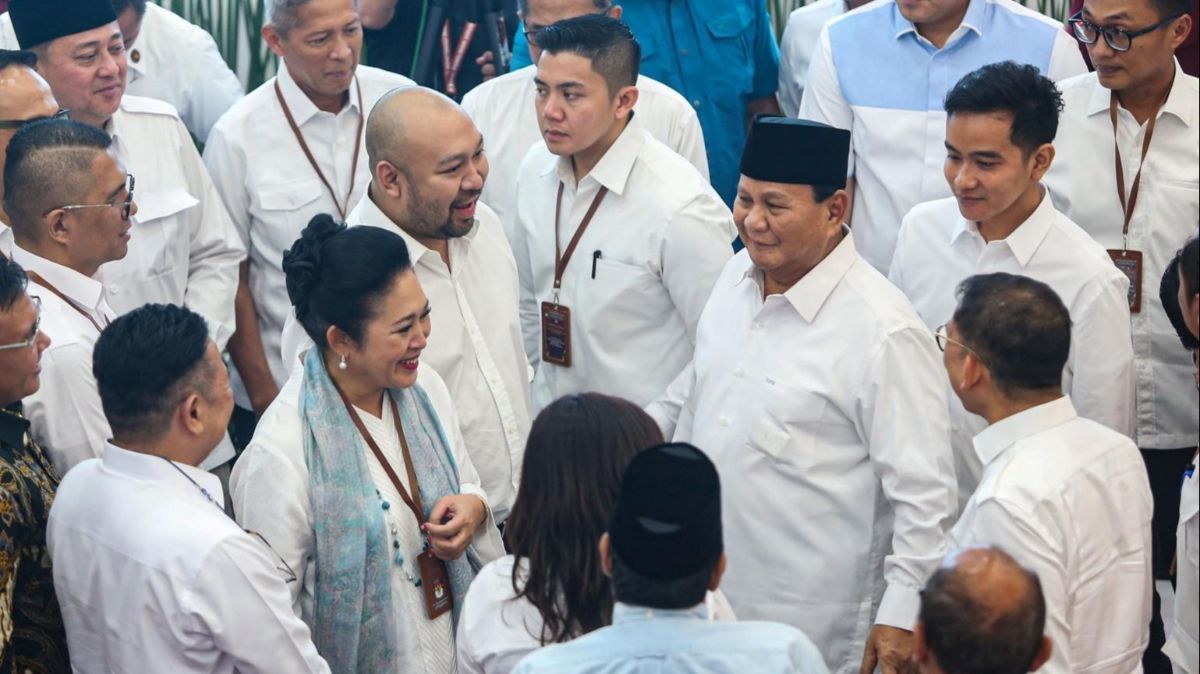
355,628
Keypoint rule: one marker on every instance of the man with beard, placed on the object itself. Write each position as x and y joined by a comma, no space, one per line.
427,171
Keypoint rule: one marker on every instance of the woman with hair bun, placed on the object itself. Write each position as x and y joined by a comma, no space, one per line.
356,473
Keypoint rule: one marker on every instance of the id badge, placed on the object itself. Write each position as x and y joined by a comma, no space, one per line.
556,334
1129,262
435,582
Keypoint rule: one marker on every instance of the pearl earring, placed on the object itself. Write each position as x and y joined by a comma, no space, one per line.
342,363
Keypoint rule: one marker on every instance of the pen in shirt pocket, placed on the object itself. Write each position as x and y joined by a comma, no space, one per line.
596,255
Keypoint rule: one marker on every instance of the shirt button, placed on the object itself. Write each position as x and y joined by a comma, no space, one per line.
739,371
696,103
683,52
754,325
725,421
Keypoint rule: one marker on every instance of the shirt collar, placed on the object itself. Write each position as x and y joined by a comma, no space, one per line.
992,442
150,468
298,102
1179,103
973,20
13,426
83,290
627,613
1026,238
368,213
613,169
808,295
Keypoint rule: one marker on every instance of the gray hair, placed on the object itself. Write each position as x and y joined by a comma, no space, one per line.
283,15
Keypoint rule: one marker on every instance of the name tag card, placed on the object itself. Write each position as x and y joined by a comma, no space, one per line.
556,334
1129,262
435,582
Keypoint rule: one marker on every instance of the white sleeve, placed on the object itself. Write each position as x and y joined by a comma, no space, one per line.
666,411
792,70
823,100
697,243
904,418
1101,361
531,329
216,251
687,139
895,269
240,600
226,165
65,415
215,88
1065,59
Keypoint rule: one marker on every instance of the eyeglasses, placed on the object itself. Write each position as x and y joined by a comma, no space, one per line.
126,205
1118,39
531,34
942,335
16,124
281,565
31,339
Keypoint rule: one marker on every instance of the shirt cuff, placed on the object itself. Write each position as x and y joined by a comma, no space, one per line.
486,541
899,607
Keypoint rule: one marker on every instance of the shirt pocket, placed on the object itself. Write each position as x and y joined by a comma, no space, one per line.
160,239
622,298
286,208
729,58
787,428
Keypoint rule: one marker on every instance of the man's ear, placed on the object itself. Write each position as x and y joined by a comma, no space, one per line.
627,97
838,206
1043,654
389,179
55,225
606,560
1042,158
974,372
189,413
714,581
274,40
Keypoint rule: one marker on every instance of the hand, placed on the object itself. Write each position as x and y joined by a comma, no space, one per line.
889,647
487,66
452,524
262,396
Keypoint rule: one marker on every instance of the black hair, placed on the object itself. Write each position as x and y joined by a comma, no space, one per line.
630,587
335,273
49,164
1031,98
1168,8
609,44
139,7
967,637
12,283
10,57
1019,328
1168,289
145,363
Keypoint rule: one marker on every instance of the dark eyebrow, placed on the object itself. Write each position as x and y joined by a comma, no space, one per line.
413,317
94,44
460,156
986,154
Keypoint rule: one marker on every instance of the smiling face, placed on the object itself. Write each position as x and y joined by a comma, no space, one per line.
393,338
87,72
992,179
21,367
321,51
1149,56
786,232
575,109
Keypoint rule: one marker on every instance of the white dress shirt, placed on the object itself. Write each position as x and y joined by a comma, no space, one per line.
1183,646
475,344
272,495
270,189
656,245
824,410
937,248
1083,182
497,629
796,49
1069,499
873,74
65,416
505,111
183,248
152,575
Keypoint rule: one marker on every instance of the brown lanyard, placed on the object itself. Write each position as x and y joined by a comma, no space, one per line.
308,153
1127,207
37,278
562,258
414,501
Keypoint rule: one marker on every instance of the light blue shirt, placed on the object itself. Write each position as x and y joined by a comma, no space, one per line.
647,640
720,54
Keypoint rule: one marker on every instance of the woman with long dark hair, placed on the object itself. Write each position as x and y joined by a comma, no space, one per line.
356,473
551,588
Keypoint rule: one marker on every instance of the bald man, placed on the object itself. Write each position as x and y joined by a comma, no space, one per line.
982,612
24,97
428,169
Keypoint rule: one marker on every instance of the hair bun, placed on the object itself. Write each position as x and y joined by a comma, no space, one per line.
302,262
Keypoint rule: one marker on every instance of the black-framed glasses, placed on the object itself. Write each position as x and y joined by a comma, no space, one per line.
942,335
1118,39
30,339
281,565
126,204
17,124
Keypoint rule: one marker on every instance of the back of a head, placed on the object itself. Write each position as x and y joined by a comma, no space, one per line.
12,283
139,6
982,613
1019,327
49,164
334,275
1183,270
558,517
1033,101
606,42
665,534
13,58
145,363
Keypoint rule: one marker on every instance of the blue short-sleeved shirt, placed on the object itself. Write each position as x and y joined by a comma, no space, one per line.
720,54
